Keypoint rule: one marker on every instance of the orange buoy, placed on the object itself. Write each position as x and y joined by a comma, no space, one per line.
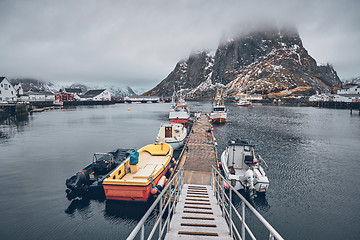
153,191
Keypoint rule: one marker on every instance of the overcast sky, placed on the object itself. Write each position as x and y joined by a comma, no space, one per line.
138,43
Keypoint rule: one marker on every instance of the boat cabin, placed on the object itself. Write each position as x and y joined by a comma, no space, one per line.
171,130
241,155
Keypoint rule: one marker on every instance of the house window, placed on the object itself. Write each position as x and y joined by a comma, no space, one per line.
12,92
1,85
6,86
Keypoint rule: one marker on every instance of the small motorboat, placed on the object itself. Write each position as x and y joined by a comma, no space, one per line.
243,169
89,180
179,111
173,134
140,175
244,103
218,113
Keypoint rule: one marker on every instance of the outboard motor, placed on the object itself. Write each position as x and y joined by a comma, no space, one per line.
249,179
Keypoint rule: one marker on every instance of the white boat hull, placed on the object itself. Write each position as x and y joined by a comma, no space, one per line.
177,145
173,134
238,180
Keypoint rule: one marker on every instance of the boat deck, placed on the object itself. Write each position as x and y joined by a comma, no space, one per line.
197,215
153,159
147,165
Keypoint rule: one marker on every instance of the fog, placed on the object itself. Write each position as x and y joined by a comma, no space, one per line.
138,43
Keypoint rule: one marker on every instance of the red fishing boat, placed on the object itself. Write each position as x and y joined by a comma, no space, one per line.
179,111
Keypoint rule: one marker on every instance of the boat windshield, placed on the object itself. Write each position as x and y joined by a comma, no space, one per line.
219,109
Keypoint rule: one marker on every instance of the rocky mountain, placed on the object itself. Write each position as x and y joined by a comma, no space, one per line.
33,84
272,62
355,80
38,85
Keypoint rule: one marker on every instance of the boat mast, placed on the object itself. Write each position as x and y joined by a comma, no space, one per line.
233,161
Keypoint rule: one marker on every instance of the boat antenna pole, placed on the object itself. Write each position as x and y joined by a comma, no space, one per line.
233,162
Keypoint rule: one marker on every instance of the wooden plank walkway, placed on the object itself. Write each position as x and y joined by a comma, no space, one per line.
197,215
199,153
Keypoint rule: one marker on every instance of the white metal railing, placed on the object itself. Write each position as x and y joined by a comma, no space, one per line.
229,211
165,202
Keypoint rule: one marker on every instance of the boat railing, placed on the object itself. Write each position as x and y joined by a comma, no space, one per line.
164,207
229,211
263,161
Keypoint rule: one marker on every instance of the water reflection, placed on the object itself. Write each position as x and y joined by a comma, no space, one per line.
9,127
307,150
79,204
130,212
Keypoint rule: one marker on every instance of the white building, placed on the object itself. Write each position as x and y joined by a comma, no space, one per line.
96,95
7,91
37,97
349,89
77,92
319,98
348,98
255,97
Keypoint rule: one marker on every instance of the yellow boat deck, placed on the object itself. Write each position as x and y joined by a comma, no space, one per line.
153,159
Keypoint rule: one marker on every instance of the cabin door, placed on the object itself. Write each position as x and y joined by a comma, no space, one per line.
168,132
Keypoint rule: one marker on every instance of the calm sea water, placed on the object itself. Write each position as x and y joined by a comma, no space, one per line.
313,156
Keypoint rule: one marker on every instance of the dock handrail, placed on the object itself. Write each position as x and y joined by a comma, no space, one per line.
170,194
225,202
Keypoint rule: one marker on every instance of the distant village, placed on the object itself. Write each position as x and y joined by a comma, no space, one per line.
348,93
10,94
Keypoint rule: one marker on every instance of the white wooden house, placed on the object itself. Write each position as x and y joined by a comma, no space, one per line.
77,92
7,91
349,89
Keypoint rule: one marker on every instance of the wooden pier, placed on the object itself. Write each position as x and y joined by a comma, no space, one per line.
200,153
197,214
195,199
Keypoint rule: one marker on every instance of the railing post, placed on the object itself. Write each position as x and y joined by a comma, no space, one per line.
218,188
211,178
271,237
175,190
243,220
222,197
169,204
160,217
230,214
142,233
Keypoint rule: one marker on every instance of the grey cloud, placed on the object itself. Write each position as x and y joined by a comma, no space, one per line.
139,42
